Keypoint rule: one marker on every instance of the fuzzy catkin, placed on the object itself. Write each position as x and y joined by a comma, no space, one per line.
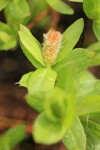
51,46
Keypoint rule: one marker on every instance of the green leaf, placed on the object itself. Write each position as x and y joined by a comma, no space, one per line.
90,104
12,17
75,138
70,38
87,85
17,13
7,37
88,5
36,101
24,80
21,8
41,80
3,4
32,46
66,81
96,29
47,132
4,144
92,9
60,7
12,137
79,58
30,57
64,76
93,135
59,107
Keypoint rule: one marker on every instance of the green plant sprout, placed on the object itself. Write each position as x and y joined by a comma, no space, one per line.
41,58
61,89
60,103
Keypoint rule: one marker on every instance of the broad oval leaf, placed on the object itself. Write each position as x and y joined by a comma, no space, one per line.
32,46
41,80
70,38
75,138
60,6
47,132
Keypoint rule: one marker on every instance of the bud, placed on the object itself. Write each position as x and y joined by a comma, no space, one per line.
51,46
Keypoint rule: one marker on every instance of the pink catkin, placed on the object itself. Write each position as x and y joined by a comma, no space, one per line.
52,43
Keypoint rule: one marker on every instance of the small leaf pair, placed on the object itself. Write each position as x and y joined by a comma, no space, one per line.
55,118
33,47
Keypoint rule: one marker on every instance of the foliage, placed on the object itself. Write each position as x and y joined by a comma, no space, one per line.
22,11
61,90
12,137
49,101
